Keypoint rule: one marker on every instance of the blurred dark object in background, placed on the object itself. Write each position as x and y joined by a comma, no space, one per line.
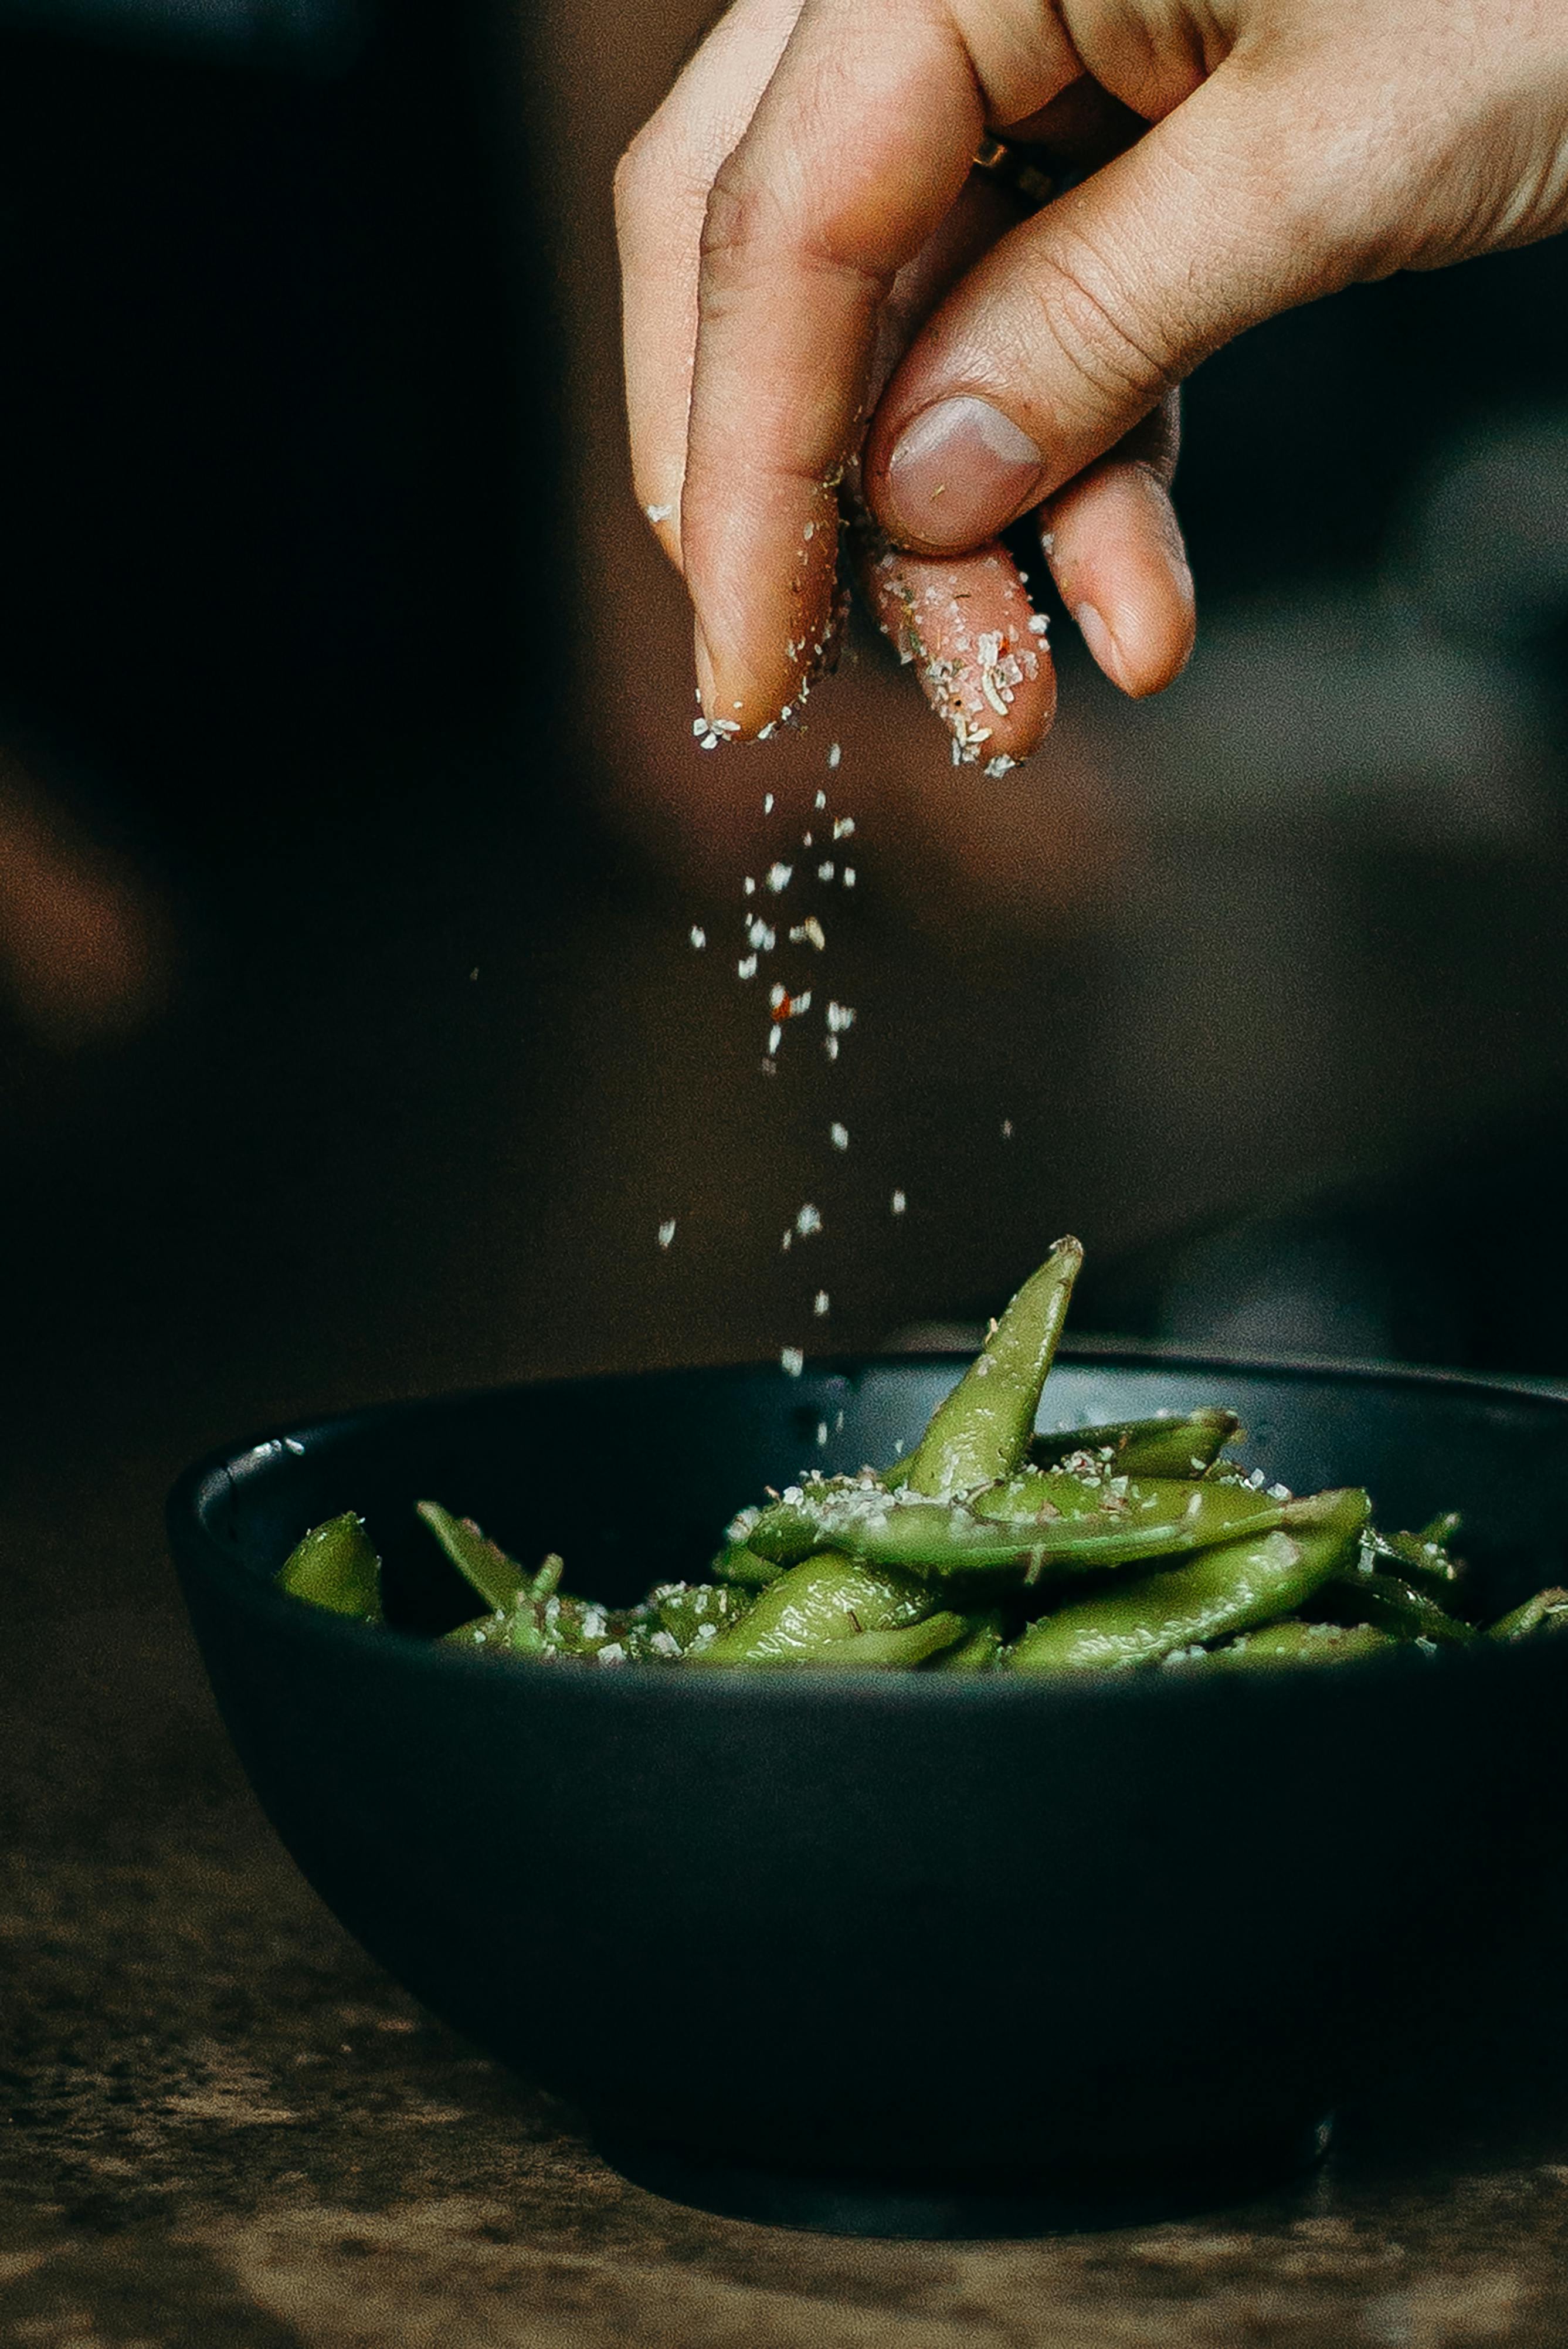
313,32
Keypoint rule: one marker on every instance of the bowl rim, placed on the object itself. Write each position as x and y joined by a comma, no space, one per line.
191,1540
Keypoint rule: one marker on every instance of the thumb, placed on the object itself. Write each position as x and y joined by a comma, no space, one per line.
1081,320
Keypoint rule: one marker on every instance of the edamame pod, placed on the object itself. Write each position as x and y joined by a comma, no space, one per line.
1395,1605
1161,1518
335,1566
1546,1611
736,1563
1427,1553
825,1598
1226,1589
483,1564
978,1650
982,1429
887,1651
1183,1446
1290,1642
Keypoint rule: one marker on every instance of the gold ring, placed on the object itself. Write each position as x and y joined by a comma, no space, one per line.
1018,169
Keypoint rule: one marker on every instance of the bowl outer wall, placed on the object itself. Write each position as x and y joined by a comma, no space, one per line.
910,1924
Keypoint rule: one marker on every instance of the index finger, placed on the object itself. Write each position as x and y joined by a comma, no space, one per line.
858,146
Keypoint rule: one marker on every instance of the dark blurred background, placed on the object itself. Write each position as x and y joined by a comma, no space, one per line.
351,831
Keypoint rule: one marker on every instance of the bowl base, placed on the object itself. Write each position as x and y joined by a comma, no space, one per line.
956,2211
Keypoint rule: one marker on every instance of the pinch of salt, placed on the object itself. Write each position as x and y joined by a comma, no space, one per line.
666,1233
791,1362
838,1135
698,936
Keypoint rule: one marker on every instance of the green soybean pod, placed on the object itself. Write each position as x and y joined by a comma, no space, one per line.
738,1564
499,1581
1229,1589
982,1429
1290,1643
1184,1446
335,1566
1546,1611
1395,1605
823,1600
944,1541
889,1652
978,1650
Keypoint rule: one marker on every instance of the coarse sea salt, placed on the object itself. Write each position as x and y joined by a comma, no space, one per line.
666,1232
838,1135
898,1203
791,1362
698,935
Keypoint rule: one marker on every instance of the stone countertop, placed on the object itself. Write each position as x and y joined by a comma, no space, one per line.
223,2125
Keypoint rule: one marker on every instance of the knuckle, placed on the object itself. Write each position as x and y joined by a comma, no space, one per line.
1094,320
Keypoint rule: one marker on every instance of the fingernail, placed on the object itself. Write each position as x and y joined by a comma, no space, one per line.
959,473
1101,642
704,670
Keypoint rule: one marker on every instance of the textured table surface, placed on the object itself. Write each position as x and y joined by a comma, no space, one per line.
224,2125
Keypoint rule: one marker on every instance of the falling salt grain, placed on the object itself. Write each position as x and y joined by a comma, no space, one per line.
777,877
808,933
750,886
698,936
774,1034
809,1220
767,803
819,1303
1007,1129
658,514
746,968
791,1362
848,877
898,1203
838,1135
666,1233
821,1435
821,800
832,1048
839,1017
844,825
825,871
834,755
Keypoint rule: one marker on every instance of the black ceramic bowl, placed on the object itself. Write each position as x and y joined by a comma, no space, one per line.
870,1951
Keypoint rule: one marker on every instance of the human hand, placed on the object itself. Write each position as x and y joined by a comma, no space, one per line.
805,249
